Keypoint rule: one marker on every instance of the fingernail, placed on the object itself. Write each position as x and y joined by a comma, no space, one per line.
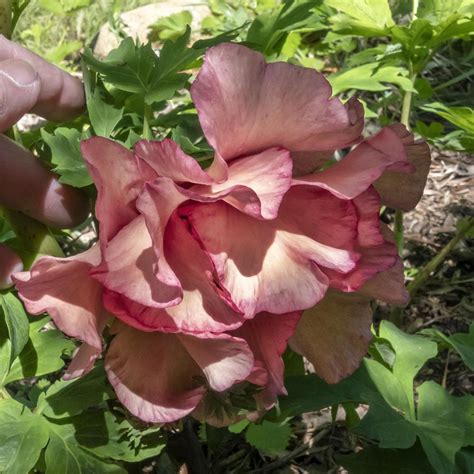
19,72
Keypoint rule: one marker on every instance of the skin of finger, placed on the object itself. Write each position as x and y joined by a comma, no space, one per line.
19,91
62,95
10,263
27,186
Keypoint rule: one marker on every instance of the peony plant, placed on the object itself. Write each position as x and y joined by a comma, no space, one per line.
203,276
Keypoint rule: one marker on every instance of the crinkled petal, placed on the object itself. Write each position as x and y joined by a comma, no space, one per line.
160,377
401,190
153,375
246,106
168,160
117,178
63,288
267,335
335,334
129,268
225,360
388,285
365,164
376,253
205,307
264,267
256,184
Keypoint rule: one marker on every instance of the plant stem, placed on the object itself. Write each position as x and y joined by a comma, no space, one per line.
147,117
424,274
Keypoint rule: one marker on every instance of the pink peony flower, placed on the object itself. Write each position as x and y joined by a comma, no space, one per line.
207,272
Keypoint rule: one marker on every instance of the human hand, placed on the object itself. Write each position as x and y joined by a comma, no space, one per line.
30,84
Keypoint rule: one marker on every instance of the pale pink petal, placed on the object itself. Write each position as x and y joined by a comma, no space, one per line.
115,173
129,267
82,361
168,160
263,265
205,307
225,360
63,288
246,106
376,253
389,285
365,164
335,334
267,335
256,184
400,190
153,375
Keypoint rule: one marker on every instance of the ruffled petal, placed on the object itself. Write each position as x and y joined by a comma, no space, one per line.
401,190
168,160
117,178
205,307
267,335
376,253
335,334
129,268
63,288
255,185
153,375
225,360
365,164
265,265
246,106
180,365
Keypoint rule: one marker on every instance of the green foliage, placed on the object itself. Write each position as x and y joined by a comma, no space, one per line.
396,419
23,435
66,156
170,27
268,437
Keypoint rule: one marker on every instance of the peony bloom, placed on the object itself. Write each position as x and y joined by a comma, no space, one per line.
206,273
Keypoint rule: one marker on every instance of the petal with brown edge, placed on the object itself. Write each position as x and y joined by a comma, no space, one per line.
362,166
246,106
129,268
267,335
335,334
255,185
262,266
117,178
205,307
63,288
401,190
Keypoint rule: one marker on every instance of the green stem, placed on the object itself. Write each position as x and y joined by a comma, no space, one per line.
425,273
147,117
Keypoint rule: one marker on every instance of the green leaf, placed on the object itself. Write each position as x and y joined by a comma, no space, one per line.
270,29
22,437
443,423
66,156
17,323
412,352
370,77
364,17
64,455
41,355
104,117
462,117
69,398
373,460
62,7
268,437
106,436
170,27
462,343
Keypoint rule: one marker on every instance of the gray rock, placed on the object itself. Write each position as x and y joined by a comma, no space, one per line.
137,22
